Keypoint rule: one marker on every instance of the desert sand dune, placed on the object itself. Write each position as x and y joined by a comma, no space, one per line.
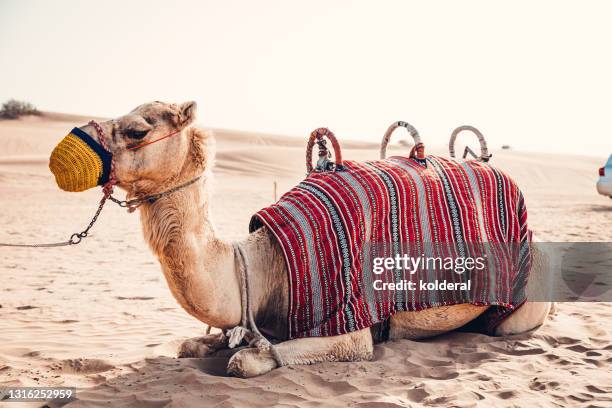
99,316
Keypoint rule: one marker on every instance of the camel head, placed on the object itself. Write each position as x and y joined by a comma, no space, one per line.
144,158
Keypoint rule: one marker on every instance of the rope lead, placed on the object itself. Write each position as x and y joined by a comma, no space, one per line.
253,336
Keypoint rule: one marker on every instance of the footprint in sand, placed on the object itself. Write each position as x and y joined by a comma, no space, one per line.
82,366
507,394
597,390
541,385
417,394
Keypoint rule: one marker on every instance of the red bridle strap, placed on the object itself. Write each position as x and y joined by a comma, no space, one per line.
112,179
138,146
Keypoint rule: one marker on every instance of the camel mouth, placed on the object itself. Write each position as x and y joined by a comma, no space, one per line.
132,145
79,163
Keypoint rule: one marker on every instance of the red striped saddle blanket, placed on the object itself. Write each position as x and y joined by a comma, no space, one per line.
403,234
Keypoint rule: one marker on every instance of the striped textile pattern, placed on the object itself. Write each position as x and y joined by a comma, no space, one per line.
332,225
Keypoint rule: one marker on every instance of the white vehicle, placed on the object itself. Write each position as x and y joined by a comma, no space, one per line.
604,184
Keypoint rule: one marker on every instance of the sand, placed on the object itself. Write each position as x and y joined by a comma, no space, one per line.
100,317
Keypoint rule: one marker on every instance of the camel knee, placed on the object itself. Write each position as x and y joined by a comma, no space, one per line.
250,362
528,317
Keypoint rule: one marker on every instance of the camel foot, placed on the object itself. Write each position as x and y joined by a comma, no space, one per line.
250,362
199,347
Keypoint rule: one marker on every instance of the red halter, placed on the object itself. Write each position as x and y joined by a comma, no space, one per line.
138,146
112,180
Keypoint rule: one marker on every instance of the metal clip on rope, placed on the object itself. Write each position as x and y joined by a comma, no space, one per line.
323,164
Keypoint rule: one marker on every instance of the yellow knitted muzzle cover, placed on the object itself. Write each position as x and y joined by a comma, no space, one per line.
79,162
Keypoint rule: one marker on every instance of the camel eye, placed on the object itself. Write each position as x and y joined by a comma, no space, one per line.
135,134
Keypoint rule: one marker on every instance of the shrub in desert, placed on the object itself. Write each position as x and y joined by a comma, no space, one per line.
404,143
12,109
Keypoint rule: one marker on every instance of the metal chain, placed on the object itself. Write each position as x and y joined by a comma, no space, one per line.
107,190
131,205
74,238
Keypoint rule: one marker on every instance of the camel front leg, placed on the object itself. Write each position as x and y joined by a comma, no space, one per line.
354,346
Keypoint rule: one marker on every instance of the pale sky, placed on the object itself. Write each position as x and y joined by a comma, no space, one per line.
533,74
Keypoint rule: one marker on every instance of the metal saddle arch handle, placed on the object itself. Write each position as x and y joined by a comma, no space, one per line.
323,164
484,151
417,151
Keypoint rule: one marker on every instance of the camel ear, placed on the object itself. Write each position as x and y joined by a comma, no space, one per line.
187,113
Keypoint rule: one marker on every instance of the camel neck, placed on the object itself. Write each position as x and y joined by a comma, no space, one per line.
199,267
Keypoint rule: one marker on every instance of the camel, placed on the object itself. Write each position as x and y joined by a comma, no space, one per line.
201,269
